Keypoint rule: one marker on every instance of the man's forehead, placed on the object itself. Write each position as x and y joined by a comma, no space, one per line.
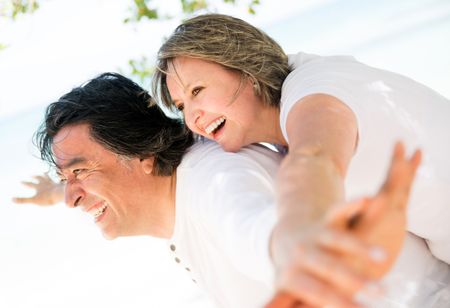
73,144
72,132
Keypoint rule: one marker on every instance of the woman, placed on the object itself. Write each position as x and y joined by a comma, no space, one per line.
231,82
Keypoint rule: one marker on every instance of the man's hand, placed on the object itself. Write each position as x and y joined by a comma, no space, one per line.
328,264
47,192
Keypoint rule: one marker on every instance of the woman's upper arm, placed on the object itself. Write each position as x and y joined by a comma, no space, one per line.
321,124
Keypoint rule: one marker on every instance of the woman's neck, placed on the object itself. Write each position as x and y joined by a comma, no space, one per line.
267,128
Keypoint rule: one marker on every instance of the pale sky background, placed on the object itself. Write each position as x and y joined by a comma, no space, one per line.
56,257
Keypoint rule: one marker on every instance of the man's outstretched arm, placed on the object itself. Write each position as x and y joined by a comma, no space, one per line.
47,192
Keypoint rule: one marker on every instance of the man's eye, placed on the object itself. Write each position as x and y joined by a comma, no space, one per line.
195,91
61,178
180,107
57,176
77,171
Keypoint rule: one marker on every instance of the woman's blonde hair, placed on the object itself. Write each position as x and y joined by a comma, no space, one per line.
230,42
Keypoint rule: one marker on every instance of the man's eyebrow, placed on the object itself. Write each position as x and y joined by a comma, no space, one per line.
71,163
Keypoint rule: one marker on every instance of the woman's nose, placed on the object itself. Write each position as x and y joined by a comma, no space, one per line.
193,118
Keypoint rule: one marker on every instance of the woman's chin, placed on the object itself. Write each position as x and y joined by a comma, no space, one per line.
230,147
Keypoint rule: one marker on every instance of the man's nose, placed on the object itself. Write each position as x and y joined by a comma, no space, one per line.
73,195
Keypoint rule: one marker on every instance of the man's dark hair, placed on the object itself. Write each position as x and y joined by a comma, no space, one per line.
122,117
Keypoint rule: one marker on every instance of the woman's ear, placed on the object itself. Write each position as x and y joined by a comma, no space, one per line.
147,164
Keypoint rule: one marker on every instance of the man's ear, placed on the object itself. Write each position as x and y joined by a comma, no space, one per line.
147,164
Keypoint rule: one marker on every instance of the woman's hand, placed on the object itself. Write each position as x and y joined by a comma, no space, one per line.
358,243
47,192
381,220
312,265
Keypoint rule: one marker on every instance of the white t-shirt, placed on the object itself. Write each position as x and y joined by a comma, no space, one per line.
388,107
225,212
417,280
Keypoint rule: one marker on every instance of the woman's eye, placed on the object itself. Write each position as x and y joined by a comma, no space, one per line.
180,107
195,91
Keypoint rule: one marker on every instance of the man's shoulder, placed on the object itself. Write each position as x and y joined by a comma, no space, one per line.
206,153
207,166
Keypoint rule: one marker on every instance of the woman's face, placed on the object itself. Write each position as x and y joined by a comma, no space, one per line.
216,102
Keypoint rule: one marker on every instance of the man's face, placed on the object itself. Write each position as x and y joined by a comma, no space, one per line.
111,189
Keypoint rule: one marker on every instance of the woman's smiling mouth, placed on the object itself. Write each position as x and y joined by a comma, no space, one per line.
215,126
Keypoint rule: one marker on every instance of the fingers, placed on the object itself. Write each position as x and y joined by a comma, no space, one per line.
402,170
43,179
414,163
30,184
315,292
343,243
416,159
395,169
399,149
21,200
329,268
286,300
282,300
40,178
401,176
33,200
319,277
346,215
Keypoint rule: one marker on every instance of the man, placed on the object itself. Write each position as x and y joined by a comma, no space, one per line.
122,162
119,158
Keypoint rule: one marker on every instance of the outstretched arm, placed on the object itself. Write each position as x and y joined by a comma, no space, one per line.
323,136
377,221
47,192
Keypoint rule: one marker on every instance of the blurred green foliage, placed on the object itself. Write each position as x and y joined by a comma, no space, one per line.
190,7
141,9
140,69
13,8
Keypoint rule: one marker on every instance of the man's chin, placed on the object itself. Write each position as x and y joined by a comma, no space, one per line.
109,236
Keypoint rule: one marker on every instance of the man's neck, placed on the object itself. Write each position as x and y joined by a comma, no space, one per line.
159,214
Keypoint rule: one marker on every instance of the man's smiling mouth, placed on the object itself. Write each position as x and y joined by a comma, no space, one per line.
98,210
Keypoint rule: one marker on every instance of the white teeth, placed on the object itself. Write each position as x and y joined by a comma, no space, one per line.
211,127
100,210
